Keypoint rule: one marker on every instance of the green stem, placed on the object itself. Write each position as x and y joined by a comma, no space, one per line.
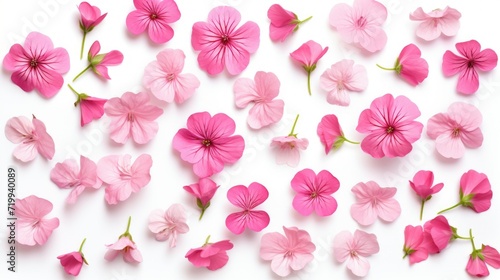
302,21
461,237
293,127
472,240
83,44
449,208
390,69
206,240
349,141
202,212
81,245
128,226
422,209
309,82
83,71
74,91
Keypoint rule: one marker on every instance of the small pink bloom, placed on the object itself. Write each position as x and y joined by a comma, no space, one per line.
32,226
99,62
330,133
247,199
124,245
208,143
164,79
213,256
355,249
166,225
261,91
132,115
341,78
37,65
410,66
68,175
479,258
154,15
123,177
438,21
414,246
32,137
390,125
90,16
422,185
456,129
308,55
222,44
372,201
440,232
73,262
467,65
283,22
314,192
203,191
287,149
91,108
361,24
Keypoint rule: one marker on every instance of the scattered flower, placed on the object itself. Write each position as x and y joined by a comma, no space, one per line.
445,21
32,226
314,192
287,147
283,22
100,62
372,201
91,108
341,78
73,262
213,256
416,244
308,55
440,233
355,249
90,17
203,191
125,245
410,66
166,225
422,185
330,133
480,257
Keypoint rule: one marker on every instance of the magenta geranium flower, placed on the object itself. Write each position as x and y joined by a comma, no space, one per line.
261,91
355,249
283,22
37,65
416,244
132,116
32,226
361,24
467,65
222,44
91,108
73,262
154,15
341,78
90,17
476,266
330,133
247,199
208,143
440,233
439,21
292,251
213,256
126,246
410,65
422,185
390,125
100,62
372,201
308,55
456,129
203,191
167,225
164,79
314,192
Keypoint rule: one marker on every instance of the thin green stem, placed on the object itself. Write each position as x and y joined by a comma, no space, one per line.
128,225
294,124
302,21
449,208
83,44
349,141
206,240
81,245
74,91
461,237
385,68
422,209
309,82
202,212
472,240
83,71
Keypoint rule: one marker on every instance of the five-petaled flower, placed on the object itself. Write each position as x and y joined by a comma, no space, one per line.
314,192
32,226
372,201
355,249
167,225
445,21
341,78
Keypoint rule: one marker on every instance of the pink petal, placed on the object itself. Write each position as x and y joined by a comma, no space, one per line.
271,245
94,50
57,60
303,181
15,59
156,221
486,60
363,213
477,267
236,59
47,81
267,85
299,261
453,64
137,21
132,256
73,195
218,261
257,220
491,256
246,41
143,130
140,171
91,109
18,128
341,245
211,57
159,31
388,210
450,25
468,81
329,131
340,18
439,124
107,169
112,58
366,243
44,230
326,183
280,265
325,205
303,204
418,256
188,145
237,222
281,33
472,139
171,61
419,14
264,114
65,173
279,16
244,92
428,30
25,152
465,115
449,146
45,143
359,266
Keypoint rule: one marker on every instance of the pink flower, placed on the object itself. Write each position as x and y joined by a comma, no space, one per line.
410,66
361,24
32,226
221,44
341,78
68,175
123,177
154,15
292,251
203,191
164,79
90,17
372,201
261,91
166,225
213,256
480,257
355,249
31,136
283,22
287,147
438,21
456,129
390,126
73,262
37,65
132,115
416,244
208,143
314,192
440,232
472,59
100,62
308,55
124,245
91,108
422,185
247,199
330,133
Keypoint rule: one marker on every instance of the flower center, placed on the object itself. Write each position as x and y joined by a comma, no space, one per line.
389,130
170,77
353,254
361,22
33,63
456,132
130,117
153,16
206,142
470,63
224,39
314,194
289,254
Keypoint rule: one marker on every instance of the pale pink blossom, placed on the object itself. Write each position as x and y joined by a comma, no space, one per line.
372,201
261,91
283,22
164,79
439,21
342,78
167,225
355,249
126,246
90,17
32,228
314,192
91,108
410,65
73,262
308,55
213,256
422,185
287,147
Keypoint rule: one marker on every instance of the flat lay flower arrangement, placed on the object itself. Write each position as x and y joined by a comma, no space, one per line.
206,139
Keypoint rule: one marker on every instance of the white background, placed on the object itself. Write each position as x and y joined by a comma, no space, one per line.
91,217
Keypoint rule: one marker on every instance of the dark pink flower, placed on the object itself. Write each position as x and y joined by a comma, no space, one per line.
283,22
440,232
330,133
479,258
467,65
314,192
308,55
32,226
100,62
203,191
125,245
73,262
422,185
410,66
222,44
445,21
90,17
213,256
91,108
416,244
372,201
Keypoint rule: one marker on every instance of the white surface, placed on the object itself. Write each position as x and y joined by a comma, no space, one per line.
102,224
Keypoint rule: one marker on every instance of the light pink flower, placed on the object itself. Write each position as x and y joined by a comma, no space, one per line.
361,24
203,191
410,66
154,15
68,175
416,244
314,192
308,55
132,115
247,199
73,262
438,21
213,256
341,78
125,245
166,225
32,138
440,232
208,143
261,91
91,108
422,185
330,133
222,44
164,79
467,65
479,258
90,17
123,177
292,251
37,65
32,226
100,62
287,147
456,129
283,22
372,201
390,126
355,249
